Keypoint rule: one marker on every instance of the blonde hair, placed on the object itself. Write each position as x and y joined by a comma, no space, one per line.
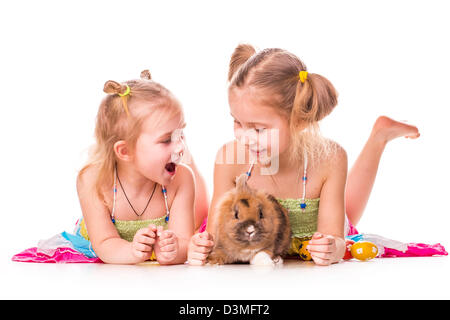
120,117
276,71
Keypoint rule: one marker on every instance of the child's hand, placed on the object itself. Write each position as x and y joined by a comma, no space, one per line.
200,246
322,248
168,245
143,242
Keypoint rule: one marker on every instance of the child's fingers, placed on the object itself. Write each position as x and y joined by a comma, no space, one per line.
144,239
169,248
319,248
146,232
167,241
200,241
195,262
321,255
142,247
320,261
159,230
167,234
323,240
203,249
142,255
197,258
317,235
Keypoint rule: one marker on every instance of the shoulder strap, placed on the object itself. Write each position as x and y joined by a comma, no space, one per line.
249,171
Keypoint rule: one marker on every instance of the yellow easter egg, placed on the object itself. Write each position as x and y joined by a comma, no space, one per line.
303,253
364,250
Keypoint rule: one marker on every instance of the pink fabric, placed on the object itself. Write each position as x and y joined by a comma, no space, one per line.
203,226
352,230
61,255
416,250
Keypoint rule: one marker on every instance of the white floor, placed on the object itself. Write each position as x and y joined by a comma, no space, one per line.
396,278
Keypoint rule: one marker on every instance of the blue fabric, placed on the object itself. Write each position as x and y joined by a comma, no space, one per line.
355,237
80,244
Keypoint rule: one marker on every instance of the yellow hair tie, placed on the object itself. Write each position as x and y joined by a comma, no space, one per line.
124,100
127,92
303,76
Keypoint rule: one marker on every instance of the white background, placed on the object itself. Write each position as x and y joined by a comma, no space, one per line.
384,58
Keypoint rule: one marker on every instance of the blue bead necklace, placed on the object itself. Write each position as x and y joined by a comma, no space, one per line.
302,204
304,178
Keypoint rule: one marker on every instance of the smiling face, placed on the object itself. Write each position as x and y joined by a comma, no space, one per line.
159,149
262,130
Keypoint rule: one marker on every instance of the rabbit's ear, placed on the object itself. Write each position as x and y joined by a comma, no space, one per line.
241,183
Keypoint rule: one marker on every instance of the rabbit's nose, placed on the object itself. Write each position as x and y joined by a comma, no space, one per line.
250,230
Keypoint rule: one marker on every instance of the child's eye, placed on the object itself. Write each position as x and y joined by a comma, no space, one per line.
167,141
237,123
259,130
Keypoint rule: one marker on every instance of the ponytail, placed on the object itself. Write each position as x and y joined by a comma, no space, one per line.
315,98
241,54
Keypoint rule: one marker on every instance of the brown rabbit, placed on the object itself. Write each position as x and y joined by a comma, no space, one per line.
251,227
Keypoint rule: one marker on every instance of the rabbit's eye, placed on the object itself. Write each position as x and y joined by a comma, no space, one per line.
261,214
236,214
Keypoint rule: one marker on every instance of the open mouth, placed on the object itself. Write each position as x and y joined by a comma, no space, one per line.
170,168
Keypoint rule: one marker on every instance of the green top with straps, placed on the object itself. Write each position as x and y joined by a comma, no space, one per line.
128,228
303,221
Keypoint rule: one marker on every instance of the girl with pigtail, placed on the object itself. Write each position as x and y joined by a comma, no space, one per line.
272,94
138,200
145,200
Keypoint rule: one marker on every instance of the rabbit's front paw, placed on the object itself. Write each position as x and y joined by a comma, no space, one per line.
262,259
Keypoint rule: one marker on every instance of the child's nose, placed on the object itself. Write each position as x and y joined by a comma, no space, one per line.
177,151
179,146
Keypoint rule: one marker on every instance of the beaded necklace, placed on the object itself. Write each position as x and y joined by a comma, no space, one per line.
304,178
164,191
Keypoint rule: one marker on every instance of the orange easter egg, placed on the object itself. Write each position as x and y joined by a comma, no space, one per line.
303,252
364,250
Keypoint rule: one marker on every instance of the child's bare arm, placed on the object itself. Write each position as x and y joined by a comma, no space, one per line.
105,239
328,244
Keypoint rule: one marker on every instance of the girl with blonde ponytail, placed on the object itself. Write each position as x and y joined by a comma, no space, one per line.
277,106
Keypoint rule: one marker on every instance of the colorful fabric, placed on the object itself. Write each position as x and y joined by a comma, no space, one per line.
416,250
76,247
59,255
